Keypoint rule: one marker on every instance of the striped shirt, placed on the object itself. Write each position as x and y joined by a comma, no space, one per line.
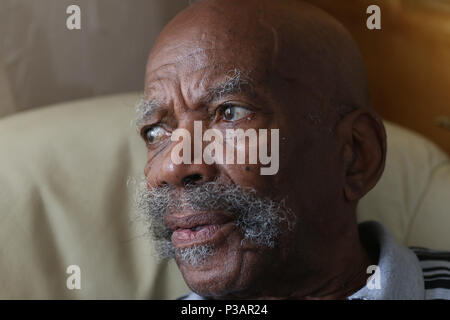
436,272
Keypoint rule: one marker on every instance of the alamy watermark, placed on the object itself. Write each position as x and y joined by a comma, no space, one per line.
374,281
73,281
73,21
374,20
229,149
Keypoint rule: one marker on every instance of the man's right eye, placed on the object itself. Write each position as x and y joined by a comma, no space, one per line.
154,134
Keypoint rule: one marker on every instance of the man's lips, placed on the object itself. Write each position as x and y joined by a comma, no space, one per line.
198,228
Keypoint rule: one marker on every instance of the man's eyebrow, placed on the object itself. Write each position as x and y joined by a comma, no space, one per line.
236,82
145,109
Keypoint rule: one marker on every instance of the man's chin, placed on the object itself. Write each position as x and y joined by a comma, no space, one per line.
212,278
231,267
218,272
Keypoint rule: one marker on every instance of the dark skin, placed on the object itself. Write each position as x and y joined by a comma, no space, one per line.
304,67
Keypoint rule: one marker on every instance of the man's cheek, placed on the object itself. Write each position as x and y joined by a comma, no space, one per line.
244,175
248,176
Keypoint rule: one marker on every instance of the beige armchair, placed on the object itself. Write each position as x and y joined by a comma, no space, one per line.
65,200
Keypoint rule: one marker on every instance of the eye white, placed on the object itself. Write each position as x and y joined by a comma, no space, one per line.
155,134
234,113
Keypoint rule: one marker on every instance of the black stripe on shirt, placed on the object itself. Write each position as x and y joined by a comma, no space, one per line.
438,283
435,269
438,275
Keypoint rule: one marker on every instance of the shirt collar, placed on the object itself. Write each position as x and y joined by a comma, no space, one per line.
400,274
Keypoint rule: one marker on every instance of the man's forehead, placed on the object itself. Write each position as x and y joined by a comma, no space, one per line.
170,56
213,48
200,57
203,87
206,78
197,66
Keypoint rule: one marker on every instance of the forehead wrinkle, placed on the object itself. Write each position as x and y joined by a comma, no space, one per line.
236,82
197,55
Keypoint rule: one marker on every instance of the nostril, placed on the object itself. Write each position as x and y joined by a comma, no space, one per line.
192,179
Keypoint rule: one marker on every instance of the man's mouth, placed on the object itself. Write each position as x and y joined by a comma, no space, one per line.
195,236
198,228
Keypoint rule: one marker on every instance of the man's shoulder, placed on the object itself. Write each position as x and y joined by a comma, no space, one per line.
435,266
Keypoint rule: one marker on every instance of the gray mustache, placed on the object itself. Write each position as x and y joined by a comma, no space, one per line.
259,218
207,196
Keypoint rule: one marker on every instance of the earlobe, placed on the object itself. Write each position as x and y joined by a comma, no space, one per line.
363,152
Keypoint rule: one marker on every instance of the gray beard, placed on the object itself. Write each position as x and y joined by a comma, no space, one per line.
259,219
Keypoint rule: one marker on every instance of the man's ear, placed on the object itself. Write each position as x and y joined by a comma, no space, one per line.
363,141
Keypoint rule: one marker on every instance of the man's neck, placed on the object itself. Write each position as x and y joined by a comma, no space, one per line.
345,274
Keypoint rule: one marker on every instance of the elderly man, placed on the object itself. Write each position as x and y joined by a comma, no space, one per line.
289,68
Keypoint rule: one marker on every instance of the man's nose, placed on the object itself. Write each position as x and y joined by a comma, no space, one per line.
181,175
196,171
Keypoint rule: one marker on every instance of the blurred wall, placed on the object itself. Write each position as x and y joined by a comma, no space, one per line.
44,62
408,60
7,104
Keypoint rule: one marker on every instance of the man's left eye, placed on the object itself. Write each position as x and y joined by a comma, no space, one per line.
232,112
